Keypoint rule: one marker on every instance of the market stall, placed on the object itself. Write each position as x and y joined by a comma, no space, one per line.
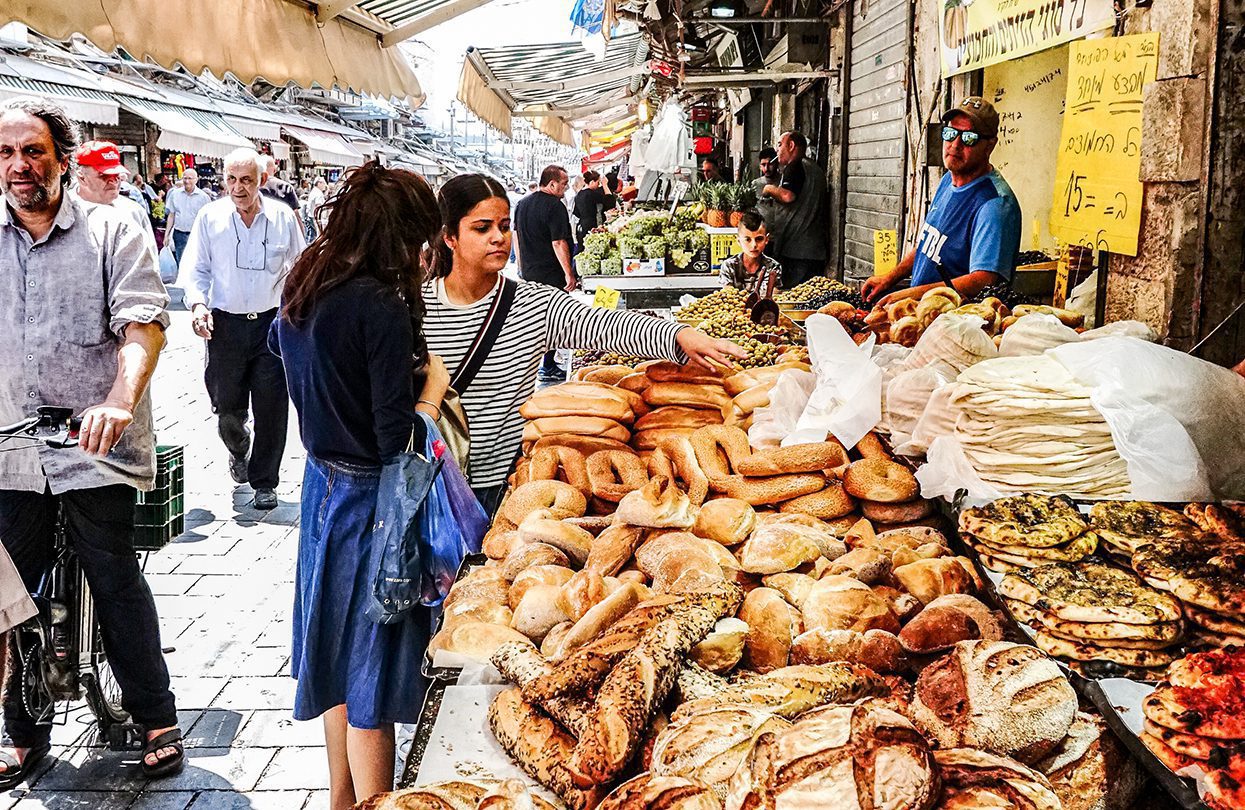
988,550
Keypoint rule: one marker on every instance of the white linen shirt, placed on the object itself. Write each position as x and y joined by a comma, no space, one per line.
241,270
185,207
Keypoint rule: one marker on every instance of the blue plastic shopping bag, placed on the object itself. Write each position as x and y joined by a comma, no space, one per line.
453,522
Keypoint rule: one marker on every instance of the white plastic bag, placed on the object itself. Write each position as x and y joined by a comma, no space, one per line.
847,402
670,141
774,422
907,395
1134,329
1034,334
952,343
890,357
1084,299
1177,421
168,263
937,420
947,471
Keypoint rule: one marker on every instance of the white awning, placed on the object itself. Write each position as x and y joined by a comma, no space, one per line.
74,90
198,132
251,128
280,149
326,147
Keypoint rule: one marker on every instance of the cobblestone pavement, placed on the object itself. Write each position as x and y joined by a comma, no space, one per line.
224,591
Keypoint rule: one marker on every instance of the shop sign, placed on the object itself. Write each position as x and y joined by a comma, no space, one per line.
605,298
1098,193
976,33
885,251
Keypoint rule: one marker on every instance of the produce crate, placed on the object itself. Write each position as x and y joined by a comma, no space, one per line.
160,515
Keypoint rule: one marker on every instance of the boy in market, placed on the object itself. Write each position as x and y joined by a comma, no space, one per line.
751,270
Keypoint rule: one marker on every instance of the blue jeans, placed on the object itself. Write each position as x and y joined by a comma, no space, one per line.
180,238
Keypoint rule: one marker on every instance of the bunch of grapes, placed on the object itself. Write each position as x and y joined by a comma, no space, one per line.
1005,293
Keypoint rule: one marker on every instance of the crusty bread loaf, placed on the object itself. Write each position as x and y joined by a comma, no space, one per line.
553,639
1006,698
482,584
728,521
793,690
865,564
540,748
531,555
711,746
878,650
677,417
580,593
606,375
477,640
605,401
776,547
929,579
903,604
635,382
520,664
599,618
693,569
538,611
475,610
649,440
723,648
736,384
649,792
974,779
612,549
659,504
1091,770
573,541
948,620
692,373
772,627
794,587
596,426
838,602
436,796
660,545
690,395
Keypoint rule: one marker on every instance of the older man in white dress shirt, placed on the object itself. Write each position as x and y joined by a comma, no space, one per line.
239,251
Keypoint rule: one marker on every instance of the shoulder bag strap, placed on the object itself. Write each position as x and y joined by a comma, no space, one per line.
486,337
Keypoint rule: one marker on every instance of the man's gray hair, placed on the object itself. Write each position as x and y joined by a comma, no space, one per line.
244,155
268,163
64,131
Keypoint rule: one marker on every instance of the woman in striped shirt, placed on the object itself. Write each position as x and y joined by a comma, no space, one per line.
466,277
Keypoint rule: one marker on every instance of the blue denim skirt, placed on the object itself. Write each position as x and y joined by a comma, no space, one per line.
339,655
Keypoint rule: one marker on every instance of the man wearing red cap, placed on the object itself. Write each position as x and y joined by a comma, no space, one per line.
100,174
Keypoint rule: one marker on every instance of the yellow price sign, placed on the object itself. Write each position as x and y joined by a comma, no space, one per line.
605,298
885,251
1098,193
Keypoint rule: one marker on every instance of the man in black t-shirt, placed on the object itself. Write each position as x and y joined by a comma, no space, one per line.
589,207
542,245
799,234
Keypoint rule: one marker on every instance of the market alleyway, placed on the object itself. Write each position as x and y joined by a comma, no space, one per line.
224,591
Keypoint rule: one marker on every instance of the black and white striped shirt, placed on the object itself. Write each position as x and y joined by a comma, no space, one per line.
542,318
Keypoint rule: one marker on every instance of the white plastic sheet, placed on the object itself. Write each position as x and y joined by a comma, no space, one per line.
951,344
1177,421
947,471
774,422
1034,334
847,402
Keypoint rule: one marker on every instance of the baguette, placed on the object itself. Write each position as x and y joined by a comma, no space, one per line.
521,664
630,695
586,667
793,690
540,748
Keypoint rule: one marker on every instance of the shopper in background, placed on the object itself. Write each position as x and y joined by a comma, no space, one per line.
543,249
235,263
82,317
466,267
275,188
181,206
349,333
710,170
100,176
316,198
589,207
798,233
769,173
971,232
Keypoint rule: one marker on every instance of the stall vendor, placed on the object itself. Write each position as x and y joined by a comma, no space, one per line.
751,269
971,233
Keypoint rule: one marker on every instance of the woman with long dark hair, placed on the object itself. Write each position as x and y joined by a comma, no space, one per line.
349,333
467,260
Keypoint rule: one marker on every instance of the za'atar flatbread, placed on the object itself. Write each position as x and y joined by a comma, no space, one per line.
1090,592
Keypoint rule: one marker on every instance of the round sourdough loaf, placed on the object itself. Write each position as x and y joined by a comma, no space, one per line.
1006,698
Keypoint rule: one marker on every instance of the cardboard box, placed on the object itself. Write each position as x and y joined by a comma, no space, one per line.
644,267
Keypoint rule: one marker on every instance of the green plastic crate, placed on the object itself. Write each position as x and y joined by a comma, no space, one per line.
160,515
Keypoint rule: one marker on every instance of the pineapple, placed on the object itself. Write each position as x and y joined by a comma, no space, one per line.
719,203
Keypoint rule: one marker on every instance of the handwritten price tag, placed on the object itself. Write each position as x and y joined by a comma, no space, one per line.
885,251
1097,195
605,298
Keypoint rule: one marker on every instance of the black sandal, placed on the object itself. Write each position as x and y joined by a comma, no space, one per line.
16,772
169,766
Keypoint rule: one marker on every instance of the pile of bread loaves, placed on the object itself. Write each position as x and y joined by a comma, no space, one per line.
905,320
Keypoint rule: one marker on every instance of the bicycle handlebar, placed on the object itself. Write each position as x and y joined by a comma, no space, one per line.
53,425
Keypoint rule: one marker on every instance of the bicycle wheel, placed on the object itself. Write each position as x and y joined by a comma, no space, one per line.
99,685
27,661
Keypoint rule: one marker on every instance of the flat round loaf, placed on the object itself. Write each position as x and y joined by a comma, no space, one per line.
728,521
973,779
556,575
1090,592
1009,699
677,417
843,603
479,641
772,627
689,395
577,425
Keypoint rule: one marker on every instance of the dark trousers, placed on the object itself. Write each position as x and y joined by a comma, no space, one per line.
244,378
798,271
490,497
100,527
180,238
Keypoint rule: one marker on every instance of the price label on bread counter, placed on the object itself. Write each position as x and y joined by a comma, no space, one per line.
885,251
1097,195
605,298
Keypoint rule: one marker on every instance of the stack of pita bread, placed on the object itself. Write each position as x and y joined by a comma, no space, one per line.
1026,425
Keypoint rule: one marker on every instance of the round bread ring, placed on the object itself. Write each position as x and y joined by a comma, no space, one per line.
905,512
870,446
560,464
796,458
613,474
877,479
719,448
681,456
562,499
775,489
830,503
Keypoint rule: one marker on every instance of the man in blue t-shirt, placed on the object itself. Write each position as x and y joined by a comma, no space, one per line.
971,232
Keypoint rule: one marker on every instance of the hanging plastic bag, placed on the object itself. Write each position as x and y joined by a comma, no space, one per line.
774,422
452,523
907,395
168,264
847,402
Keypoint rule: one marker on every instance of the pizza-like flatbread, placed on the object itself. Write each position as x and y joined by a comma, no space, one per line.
1063,648
1090,592
1025,520
1078,549
1164,632
1132,524
1204,570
